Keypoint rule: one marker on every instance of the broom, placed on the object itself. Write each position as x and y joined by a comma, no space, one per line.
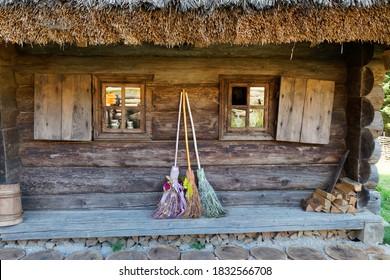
212,208
172,203
194,206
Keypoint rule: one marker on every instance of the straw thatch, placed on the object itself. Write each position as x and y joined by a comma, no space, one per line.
198,22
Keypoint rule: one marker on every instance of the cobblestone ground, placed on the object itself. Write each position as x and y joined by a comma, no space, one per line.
302,245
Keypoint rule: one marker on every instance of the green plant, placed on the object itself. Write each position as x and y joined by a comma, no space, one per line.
197,245
384,189
385,110
117,246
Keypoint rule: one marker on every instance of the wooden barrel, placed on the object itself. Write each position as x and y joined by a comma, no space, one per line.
11,212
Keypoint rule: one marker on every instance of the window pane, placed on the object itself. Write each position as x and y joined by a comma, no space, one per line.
256,118
113,96
113,118
133,119
238,118
239,95
132,96
257,95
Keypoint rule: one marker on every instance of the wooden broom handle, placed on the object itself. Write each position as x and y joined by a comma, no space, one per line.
185,129
178,128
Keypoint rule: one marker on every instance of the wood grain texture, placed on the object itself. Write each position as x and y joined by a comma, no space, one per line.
47,107
149,200
76,110
52,180
112,223
183,70
161,153
317,114
291,107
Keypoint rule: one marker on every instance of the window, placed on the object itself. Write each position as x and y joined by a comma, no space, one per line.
248,107
120,107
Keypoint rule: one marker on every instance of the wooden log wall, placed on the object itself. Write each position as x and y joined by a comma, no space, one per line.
9,138
69,169
365,75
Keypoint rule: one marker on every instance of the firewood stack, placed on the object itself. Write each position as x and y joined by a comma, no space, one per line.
343,198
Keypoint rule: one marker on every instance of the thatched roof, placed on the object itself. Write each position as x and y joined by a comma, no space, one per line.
199,22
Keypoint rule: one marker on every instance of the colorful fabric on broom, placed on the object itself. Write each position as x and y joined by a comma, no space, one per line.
169,205
178,188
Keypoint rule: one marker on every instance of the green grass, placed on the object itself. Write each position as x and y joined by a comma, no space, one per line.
117,246
384,189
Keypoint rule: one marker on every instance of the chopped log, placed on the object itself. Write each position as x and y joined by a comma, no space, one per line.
351,209
334,209
345,189
325,194
341,195
311,205
352,201
353,185
323,201
342,208
342,201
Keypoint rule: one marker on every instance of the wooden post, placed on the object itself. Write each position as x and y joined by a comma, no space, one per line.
364,101
9,138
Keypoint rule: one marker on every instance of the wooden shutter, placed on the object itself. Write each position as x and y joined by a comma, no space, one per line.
47,107
305,110
76,108
63,107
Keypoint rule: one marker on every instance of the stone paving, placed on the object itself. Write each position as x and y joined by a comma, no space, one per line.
307,245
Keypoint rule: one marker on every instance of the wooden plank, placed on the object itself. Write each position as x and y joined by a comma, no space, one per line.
149,200
197,70
345,189
113,223
317,114
121,154
61,180
47,107
353,185
76,108
291,105
322,200
325,194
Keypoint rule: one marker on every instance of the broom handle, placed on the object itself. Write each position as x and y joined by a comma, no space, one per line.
185,130
178,128
193,131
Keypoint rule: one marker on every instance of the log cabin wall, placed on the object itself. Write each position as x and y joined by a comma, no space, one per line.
366,71
9,138
62,174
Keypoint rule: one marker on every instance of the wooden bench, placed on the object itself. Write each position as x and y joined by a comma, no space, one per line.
40,224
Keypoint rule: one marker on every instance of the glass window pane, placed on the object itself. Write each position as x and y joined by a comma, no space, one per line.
132,96
257,95
133,119
113,118
238,118
256,118
239,95
113,96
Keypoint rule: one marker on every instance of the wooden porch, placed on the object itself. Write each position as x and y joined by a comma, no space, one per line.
138,222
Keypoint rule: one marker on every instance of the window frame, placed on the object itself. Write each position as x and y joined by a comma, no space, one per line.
100,132
271,85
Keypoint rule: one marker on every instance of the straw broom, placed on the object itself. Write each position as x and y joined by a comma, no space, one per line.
172,203
194,206
212,208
